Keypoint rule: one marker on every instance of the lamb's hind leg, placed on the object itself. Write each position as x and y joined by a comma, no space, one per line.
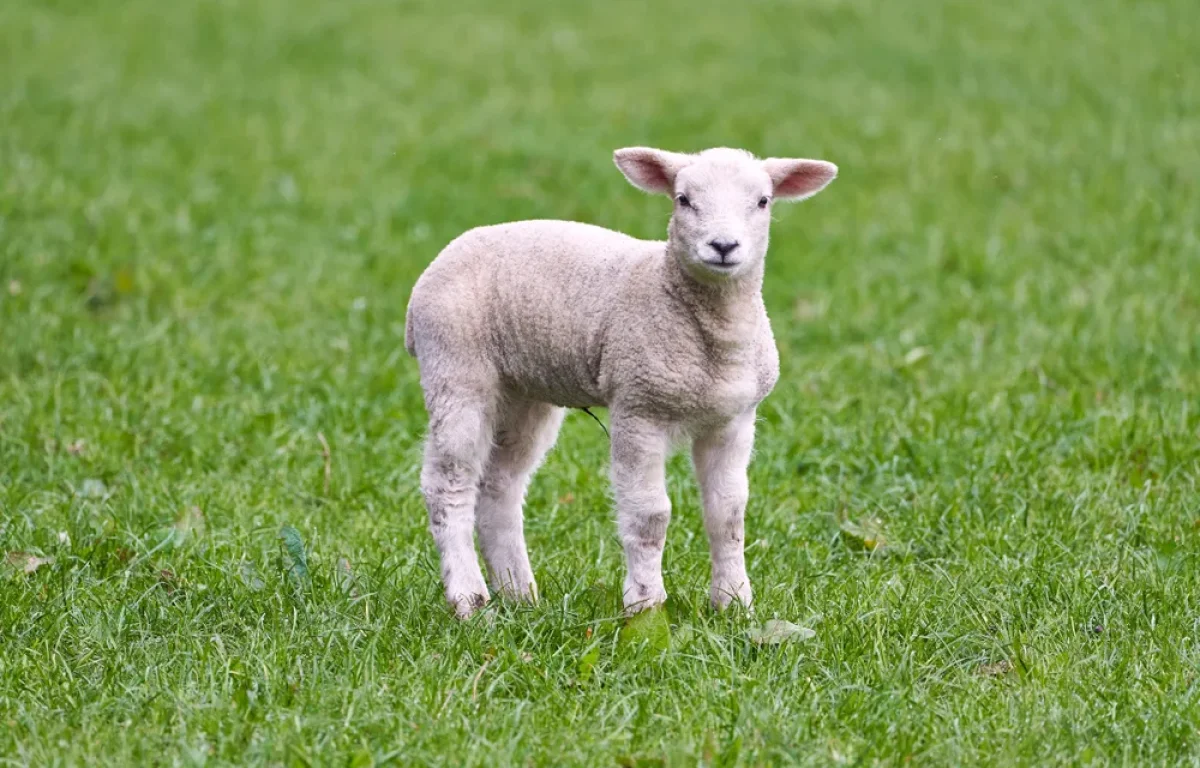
525,431
461,405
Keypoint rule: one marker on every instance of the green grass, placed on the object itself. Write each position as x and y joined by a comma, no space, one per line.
211,214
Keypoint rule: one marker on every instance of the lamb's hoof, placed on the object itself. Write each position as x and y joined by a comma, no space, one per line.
467,605
723,597
519,593
515,584
642,598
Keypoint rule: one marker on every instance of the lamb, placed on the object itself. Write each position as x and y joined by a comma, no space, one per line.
511,324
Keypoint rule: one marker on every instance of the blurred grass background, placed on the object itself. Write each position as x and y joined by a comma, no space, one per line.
211,214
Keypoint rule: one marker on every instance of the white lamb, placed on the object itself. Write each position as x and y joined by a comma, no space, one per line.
513,323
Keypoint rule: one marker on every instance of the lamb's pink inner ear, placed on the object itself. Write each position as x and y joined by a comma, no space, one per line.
798,179
650,170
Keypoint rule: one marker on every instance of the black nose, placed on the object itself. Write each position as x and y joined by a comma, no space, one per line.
723,247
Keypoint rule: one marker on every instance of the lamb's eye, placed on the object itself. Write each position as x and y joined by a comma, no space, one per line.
683,201
764,201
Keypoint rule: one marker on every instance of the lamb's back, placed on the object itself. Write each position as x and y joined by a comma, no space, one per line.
536,298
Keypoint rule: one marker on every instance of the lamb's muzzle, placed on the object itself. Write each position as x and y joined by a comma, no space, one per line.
513,323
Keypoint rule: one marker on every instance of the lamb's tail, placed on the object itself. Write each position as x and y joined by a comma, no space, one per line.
410,343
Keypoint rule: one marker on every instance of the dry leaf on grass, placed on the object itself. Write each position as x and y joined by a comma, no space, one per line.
92,488
26,562
190,524
999,669
346,579
866,535
778,631
296,559
650,627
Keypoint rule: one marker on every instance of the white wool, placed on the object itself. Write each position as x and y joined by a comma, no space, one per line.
512,323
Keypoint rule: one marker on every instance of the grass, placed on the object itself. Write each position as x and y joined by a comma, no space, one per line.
211,214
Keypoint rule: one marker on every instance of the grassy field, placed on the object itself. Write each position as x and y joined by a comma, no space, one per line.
211,214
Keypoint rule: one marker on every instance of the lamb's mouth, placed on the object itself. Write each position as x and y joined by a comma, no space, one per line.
721,266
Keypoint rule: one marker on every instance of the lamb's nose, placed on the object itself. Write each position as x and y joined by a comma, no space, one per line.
723,247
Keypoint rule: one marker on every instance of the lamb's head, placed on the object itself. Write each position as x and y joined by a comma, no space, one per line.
723,197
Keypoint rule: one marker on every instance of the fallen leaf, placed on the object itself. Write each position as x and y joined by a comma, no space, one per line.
250,576
865,535
99,293
345,578
189,524
566,498
288,190
297,568
123,281
682,637
806,309
651,628
169,581
26,562
999,669
92,488
325,456
77,447
14,287
916,355
587,663
64,538
777,631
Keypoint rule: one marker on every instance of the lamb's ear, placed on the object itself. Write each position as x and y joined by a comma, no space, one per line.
798,179
651,170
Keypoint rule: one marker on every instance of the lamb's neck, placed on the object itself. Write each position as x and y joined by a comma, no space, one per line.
727,313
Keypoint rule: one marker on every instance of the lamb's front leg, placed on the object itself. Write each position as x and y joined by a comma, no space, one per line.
639,454
721,459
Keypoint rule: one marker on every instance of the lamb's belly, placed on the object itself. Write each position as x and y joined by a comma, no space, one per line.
558,380
561,393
